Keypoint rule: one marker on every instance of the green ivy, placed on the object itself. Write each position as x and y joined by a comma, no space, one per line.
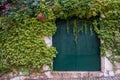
23,45
21,32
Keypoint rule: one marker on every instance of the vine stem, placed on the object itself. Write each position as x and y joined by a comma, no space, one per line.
75,31
67,26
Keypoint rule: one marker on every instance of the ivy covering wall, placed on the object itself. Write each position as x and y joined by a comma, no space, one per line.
25,22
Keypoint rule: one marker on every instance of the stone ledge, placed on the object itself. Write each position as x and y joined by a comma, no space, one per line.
100,78
117,77
76,74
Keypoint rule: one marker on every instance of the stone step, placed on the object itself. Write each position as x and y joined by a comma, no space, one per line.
76,74
103,78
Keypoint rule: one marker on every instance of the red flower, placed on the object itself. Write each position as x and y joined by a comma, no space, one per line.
41,17
7,5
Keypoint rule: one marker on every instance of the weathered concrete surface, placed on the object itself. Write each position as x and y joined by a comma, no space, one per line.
102,78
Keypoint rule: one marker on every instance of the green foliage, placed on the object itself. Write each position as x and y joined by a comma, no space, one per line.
22,30
83,9
117,49
22,44
109,32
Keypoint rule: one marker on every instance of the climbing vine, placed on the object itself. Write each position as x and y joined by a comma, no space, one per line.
22,29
